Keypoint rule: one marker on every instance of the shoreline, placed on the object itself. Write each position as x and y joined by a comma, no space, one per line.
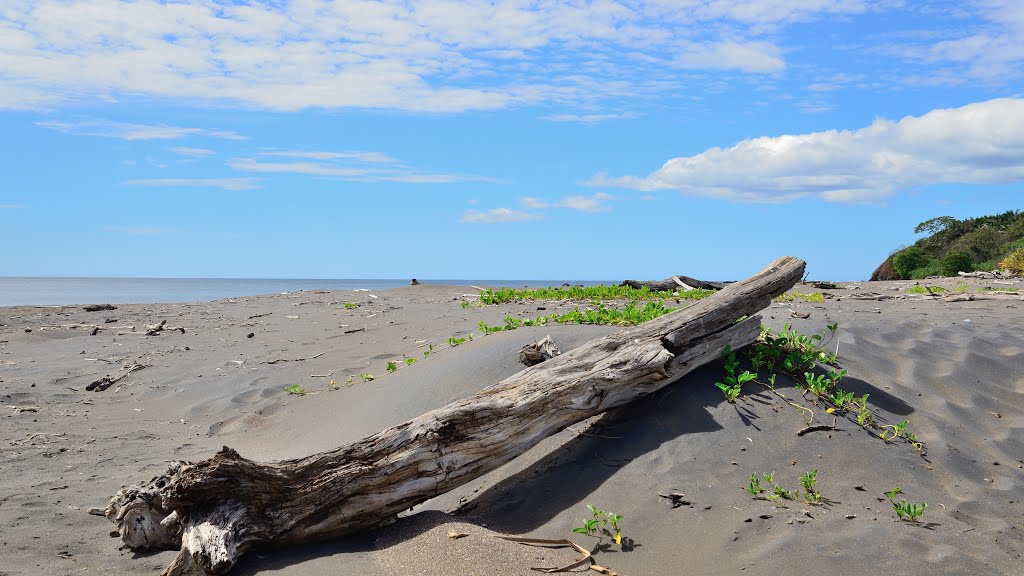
54,291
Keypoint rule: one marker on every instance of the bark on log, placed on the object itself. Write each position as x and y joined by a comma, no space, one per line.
675,283
216,509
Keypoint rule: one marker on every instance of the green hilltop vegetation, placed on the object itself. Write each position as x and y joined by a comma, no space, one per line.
985,243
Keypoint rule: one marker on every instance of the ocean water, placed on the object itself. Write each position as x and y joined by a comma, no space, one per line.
23,291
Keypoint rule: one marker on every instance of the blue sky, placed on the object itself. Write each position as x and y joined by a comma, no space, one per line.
499,139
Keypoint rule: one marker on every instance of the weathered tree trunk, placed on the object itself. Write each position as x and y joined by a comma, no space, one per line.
216,509
675,283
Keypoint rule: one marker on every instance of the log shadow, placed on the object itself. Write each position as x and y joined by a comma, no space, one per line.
526,500
261,560
561,479
878,397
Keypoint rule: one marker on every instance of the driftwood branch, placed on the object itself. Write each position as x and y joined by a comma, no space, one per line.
278,360
217,509
675,283
155,329
108,381
539,351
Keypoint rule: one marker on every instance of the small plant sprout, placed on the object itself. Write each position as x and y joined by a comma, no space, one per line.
429,350
899,430
781,492
392,367
351,305
349,379
864,417
775,495
908,511
296,389
410,361
841,400
732,383
599,519
808,481
755,486
332,385
366,377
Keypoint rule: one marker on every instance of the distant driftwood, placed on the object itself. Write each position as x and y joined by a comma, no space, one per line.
217,509
675,283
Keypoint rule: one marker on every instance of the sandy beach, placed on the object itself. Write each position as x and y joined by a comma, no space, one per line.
214,374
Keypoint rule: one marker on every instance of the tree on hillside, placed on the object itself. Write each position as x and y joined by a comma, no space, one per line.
936,225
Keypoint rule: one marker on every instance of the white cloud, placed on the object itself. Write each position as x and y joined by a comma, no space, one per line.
497,215
981,143
433,55
126,131
12,206
194,152
223,183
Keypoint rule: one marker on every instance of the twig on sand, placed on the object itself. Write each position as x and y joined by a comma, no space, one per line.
107,381
292,359
817,428
561,543
154,329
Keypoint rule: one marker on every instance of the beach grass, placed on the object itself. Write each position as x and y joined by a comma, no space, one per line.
594,293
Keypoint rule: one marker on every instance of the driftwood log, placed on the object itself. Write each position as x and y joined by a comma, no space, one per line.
675,283
216,509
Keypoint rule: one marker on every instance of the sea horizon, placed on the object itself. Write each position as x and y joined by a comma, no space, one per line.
72,290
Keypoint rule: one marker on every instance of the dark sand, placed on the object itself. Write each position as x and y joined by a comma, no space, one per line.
955,369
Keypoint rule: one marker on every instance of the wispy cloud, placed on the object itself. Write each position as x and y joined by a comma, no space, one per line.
194,152
222,183
984,46
309,168
748,57
981,143
594,203
497,215
427,56
351,166
375,157
12,206
126,131
591,118
139,230
533,203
